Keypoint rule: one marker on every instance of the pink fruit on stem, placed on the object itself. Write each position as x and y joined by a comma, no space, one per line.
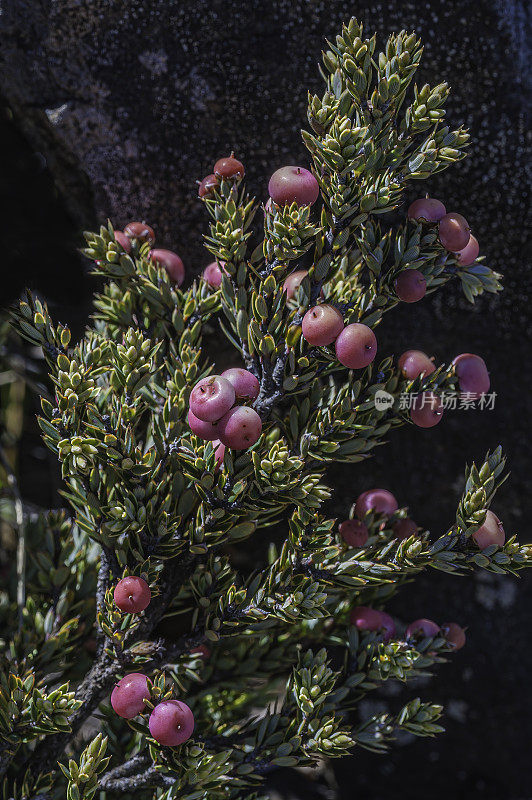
369,619
469,254
171,262
129,696
171,723
293,185
219,453
410,286
322,325
240,428
454,634
414,362
229,167
293,282
426,209
205,430
353,532
454,232
140,231
422,628
244,383
404,528
380,501
427,410
123,240
212,274
132,594
472,373
490,532
211,398
208,185
356,346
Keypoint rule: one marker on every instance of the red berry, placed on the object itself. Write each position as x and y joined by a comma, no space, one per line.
172,264
472,373
205,430
490,532
454,634
293,282
229,167
123,240
356,346
129,696
240,428
404,528
322,325
140,231
293,185
454,231
426,209
353,532
470,252
202,651
132,594
410,286
208,185
381,501
171,723
427,410
244,383
212,274
421,628
369,619
414,362
211,398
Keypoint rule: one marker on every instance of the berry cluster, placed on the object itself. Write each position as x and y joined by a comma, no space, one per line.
453,229
213,415
371,619
140,232
227,168
355,532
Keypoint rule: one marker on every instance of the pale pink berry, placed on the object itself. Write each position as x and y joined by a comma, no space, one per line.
410,286
356,346
205,430
490,532
380,501
129,696
353,532
219,453
426,209
413,363
212,274
293,185
472,373
322,325
240,428
132,594
211,398
470,252
171,723
369,619
422,628
427,410
293,282
454,634
404,528
123,240
171,262
244,383
454,232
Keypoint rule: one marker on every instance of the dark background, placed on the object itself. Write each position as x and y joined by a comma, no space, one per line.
116,108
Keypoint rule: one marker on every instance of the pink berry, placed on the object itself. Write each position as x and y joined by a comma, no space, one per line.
353,532
414,362
172,264
123,240
208,185
369,619
454,231
212,274
229,167
404,528
422,628
140,231
211,398
490,532
410,286
293,185
132,594
470,252
356,346
427,410
219,453
426,209
171,723
322,325
380,501
244,383
205,430
293,282
472,373
129,696
240,428
454,634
